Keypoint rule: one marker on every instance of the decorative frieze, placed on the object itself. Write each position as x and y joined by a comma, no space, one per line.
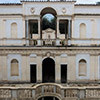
24,93
93,93
54,50
5,93
50,90
71,93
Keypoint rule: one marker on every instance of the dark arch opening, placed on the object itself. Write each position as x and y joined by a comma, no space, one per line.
48,98
48,70
48,19
48,10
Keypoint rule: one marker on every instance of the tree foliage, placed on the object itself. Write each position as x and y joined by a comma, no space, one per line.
98,3
46,23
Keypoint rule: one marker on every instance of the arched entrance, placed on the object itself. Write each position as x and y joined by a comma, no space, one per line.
48,23
48,98
48,70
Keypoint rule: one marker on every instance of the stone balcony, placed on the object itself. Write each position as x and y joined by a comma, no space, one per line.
48,42
50,89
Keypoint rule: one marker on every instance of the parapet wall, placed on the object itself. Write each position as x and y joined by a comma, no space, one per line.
55,90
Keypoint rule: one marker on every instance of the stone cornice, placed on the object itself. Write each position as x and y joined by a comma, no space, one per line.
49,48
48,1
86,14
56,51
11,14
10,4
85,38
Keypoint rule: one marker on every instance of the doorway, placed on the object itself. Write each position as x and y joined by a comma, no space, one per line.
64,73
48,98
48,70
33,73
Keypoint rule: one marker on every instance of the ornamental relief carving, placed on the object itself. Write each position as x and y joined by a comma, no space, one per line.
70,93
92,93
64,10
24,93
48,89
42,52
48,54
5,93
32,10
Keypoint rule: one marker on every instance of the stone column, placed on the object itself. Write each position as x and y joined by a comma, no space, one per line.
4,68
57,70
69,29
57,34
27,29
66,34
25,66
27,32
39,69
39,28
23,28
4,28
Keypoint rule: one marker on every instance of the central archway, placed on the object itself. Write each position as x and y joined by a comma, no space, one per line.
48,70
48,21
48,98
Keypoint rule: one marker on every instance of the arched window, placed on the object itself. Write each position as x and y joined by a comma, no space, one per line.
82,30
13,30
82,67
14,68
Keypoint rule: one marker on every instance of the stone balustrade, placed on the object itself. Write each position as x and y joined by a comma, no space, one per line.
48,89
48,42
41,90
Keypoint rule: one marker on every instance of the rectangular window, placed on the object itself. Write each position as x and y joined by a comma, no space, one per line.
63,26
33,24
63,73
33,73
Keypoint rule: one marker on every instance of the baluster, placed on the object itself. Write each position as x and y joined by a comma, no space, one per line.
54,98
42,89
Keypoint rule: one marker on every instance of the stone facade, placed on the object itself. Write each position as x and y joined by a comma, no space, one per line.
74,55
48,89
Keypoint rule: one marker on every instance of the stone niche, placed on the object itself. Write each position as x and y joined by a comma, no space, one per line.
48,34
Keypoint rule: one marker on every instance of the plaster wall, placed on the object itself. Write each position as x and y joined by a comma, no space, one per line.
71,61
10,9
87,9
55,5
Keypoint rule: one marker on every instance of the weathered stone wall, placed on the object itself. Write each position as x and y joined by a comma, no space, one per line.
41,90
66,55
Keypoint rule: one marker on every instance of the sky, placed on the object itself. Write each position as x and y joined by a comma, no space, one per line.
78,1
87,1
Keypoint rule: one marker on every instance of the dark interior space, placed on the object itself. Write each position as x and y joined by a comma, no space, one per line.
33,24
48,70
63,73
63,26
48,98
48,21
33,73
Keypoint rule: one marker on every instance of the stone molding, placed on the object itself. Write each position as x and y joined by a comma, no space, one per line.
57,51
49,89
